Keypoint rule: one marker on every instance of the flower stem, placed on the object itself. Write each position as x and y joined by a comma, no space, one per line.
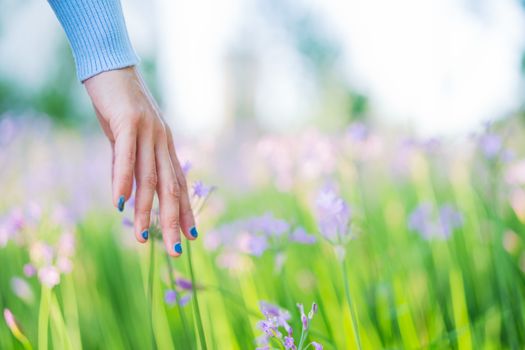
182,316
200,327
303,337
351,305
43,317
150,289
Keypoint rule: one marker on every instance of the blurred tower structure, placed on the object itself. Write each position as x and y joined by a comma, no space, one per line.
241,84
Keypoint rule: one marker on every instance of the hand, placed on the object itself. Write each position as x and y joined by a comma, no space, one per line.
143,150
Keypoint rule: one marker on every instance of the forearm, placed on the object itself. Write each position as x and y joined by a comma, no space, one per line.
97,33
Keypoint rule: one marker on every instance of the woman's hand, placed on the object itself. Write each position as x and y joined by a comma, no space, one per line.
143,150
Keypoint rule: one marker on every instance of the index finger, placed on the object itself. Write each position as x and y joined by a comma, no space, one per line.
123,166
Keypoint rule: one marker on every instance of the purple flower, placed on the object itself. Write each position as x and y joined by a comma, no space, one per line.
254,236
41,253
271,310
184,300
256,245
268,225
289,343
200,190
450,219
49,276
316,345
299,235
170,297
186,167
358,131
11,322
184,284
66,244
29,270
22,289
490,145
431,145
313,311
420,219
7,131
333,215
304,319
10,225
430,224
4,236
64,264
127,222
276,318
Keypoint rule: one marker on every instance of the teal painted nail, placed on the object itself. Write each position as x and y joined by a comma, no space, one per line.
145,234
178,248
121,201
193,232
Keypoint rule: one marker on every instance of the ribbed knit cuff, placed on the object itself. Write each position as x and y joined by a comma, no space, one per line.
97,33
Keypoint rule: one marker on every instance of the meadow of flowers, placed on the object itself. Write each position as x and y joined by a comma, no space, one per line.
361,239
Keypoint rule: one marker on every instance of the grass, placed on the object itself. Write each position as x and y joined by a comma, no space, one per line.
395,290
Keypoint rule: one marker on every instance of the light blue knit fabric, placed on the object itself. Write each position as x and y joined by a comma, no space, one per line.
97,33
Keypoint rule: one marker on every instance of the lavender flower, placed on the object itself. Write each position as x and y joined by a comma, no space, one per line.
289,343
333,216
299,235
183,293
254,236
170,297
22,289
305,320
186,167
450,219
10,320
431,223
490,145
268,225
7,131
201,190
316,345
15,329
11,225
127,222
276,320
29,270
41,253
358,131
253,244
49,276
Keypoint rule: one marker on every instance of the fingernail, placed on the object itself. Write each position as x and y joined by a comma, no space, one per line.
145,234
193,232
178,248
121,201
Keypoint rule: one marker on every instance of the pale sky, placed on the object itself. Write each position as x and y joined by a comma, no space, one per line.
442,66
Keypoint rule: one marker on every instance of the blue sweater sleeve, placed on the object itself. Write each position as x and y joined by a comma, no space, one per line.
97,34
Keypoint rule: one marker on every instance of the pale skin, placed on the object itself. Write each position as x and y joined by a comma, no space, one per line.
143,150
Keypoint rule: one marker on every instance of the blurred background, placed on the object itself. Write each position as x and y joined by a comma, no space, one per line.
433,67
400,121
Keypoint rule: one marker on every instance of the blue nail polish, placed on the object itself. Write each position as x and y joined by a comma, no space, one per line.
145,234
193,232
121,201
178,248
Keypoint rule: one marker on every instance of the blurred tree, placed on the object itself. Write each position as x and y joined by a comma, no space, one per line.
322,55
